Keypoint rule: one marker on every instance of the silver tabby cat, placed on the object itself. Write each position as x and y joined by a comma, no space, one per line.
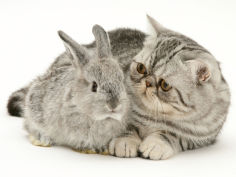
179,98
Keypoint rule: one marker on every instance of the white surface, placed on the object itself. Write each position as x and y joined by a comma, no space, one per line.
29,43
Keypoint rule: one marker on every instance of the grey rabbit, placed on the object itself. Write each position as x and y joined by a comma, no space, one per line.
80,105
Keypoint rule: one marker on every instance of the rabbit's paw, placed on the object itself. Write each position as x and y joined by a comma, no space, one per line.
85,151
42,141
106,152
124,146
155,149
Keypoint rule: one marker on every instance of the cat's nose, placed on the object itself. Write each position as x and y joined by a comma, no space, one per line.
150,81
148,84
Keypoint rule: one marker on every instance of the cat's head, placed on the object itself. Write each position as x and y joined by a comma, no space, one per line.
173,76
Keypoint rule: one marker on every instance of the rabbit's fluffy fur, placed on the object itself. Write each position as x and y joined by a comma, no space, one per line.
80,105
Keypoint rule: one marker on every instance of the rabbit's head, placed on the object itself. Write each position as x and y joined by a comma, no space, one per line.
101,87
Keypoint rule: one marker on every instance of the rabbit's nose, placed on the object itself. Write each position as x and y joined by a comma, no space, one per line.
113,104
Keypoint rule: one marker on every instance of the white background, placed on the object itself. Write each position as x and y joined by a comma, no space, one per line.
29,43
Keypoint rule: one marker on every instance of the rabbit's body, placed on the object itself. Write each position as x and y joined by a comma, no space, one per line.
54,117
61,108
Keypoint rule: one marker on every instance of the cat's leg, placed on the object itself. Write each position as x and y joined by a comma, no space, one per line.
158,146
125,146
162,145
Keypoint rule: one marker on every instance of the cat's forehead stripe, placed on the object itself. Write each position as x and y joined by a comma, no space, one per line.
166,49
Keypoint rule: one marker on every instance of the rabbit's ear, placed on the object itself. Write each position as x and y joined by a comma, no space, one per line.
79,53
102,41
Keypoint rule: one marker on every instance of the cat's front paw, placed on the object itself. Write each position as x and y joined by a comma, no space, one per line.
124,147
155,149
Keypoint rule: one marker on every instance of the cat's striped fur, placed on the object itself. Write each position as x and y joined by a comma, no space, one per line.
188,116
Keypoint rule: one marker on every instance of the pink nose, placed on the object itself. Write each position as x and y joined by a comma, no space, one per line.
148,84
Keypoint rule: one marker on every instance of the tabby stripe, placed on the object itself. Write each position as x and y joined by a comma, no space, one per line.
171,56
139,122
153,61
180,110
173,134
132,128
176,52
165,138
172,125
191,145
181,144
188,145
182,100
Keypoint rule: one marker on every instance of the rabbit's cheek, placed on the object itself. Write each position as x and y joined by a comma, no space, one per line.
100,117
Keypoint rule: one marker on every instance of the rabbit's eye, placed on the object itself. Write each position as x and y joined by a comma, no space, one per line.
94,86
141,68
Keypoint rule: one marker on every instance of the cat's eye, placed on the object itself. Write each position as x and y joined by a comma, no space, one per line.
141,68
94,86
164,85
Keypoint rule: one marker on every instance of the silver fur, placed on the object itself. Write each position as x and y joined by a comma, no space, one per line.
61,108
188,116
162,124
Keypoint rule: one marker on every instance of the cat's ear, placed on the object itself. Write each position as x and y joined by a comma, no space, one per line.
102,41
156,26
199,70
78,53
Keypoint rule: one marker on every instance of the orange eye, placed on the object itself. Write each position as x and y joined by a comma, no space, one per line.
141,68
165,86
